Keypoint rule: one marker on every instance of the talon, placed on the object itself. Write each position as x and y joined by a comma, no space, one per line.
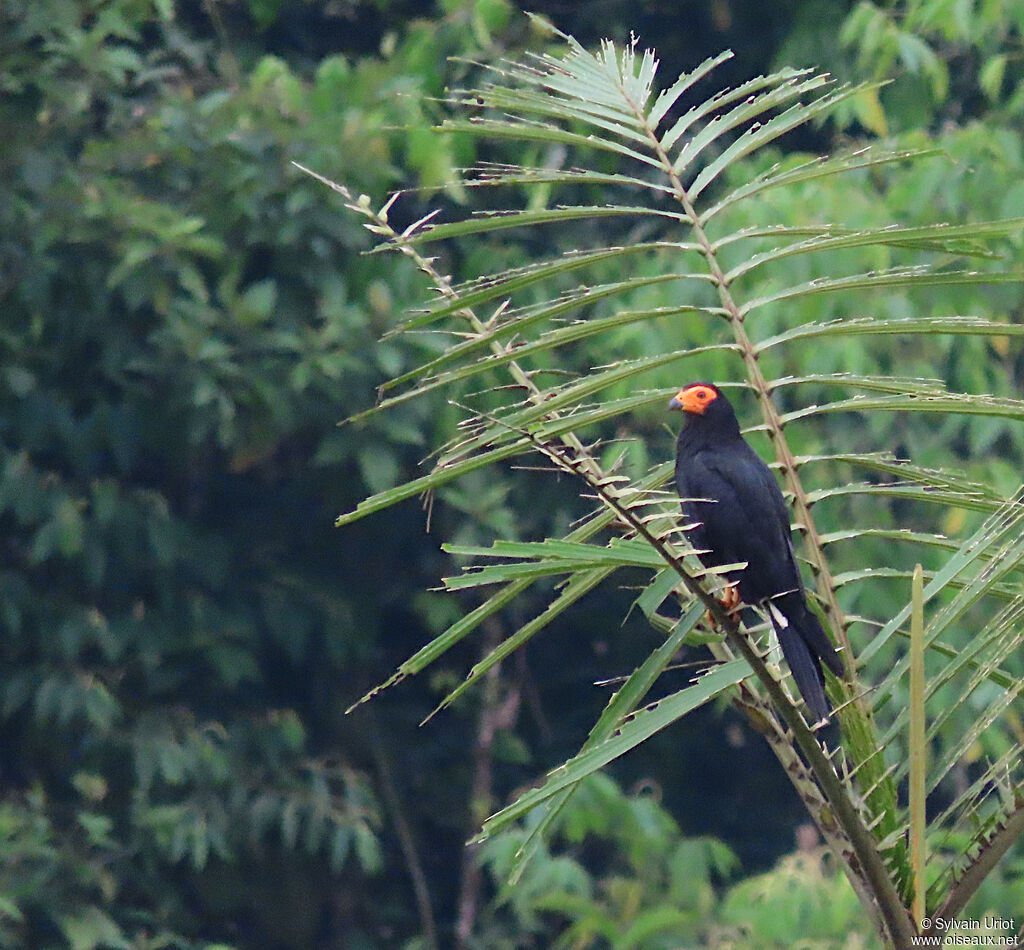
731,603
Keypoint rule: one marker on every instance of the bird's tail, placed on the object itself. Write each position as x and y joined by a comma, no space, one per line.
805,647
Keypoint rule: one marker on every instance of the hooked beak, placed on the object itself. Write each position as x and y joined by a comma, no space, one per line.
674,402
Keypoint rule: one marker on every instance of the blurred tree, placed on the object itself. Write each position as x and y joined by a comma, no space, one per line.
185,320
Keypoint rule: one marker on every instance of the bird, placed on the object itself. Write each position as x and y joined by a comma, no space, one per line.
739,515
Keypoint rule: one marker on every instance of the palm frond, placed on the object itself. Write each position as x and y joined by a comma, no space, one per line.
822,166
663,158
904,326
634,728
956,240
624,701
917,276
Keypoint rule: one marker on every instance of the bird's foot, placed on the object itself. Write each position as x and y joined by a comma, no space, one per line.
731,603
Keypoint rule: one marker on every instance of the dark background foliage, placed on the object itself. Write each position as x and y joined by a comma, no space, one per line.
185,320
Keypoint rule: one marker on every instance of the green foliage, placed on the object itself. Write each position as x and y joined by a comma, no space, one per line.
802,900
183,319
757,276
946,57
654,888
615,871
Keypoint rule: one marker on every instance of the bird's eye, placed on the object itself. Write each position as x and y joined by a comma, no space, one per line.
702,394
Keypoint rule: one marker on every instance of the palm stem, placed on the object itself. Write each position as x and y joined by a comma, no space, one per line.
868,857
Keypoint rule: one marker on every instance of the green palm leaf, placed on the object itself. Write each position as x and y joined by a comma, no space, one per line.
634,729
669,163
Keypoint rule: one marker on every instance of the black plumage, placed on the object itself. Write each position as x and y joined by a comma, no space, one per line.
741,516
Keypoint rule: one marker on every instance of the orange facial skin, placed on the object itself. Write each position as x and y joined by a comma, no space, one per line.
694,399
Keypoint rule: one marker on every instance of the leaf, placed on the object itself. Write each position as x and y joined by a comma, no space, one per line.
618,553
524,131
603,116
919,276
435,479
905,492
917,744
954,403
580,584
934,237
633,730
1002,523
751,94
505,284
759,135
543,420
465,625
491,174
558,557
484,222
868,326
622,702
10,910
518,321
906,471
441,644
91,929
990,76
821,167
670,96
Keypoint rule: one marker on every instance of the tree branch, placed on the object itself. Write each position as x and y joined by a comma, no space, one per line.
407,842
865,850
571,453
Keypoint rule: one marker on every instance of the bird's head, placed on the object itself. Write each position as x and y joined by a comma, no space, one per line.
696,399
706,410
